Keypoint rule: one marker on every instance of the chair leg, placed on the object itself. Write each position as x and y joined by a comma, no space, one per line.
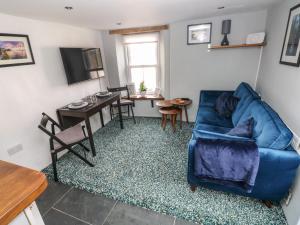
165,121
132,114
128,111
54,160
80,157
83,146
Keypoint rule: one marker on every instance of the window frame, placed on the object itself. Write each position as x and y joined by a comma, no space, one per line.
156,66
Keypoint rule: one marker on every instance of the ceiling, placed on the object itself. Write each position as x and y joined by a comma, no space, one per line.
105,14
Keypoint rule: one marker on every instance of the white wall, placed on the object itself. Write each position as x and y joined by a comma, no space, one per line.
279,86
110,56
27,91
193,68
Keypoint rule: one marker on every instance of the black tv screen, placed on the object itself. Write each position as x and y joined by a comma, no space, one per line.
82,64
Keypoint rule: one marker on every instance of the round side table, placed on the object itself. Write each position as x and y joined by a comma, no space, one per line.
164,104
173,115
182,103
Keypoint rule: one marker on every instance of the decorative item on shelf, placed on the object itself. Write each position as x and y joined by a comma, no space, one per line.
199,33
256,38
143,89
290,54
226,25
236,46
15,50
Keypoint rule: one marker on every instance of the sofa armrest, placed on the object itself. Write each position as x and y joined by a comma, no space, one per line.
278,160
213,135
208,98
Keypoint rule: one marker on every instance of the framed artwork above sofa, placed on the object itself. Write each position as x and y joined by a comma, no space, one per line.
290,54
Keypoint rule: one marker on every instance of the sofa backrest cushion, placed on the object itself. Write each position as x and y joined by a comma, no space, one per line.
246,95
269,131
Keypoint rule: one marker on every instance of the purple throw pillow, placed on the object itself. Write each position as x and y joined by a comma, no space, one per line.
226,104
243,129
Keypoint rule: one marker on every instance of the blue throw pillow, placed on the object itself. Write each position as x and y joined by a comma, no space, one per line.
225,104
243,129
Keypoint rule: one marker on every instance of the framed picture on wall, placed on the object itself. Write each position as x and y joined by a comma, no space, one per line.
291,48
199,33
15,50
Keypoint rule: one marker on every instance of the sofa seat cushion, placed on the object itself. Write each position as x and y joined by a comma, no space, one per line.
246,95
208,115
269,131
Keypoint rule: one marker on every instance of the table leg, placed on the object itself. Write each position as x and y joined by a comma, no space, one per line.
180,119
120,114
152,103
60,119
101,118
90,133
173,122
186,114
165,121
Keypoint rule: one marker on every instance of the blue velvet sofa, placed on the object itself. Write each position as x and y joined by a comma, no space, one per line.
278,160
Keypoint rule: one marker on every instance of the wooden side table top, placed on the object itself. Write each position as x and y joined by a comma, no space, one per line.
181,102
146,97
19,187
164,103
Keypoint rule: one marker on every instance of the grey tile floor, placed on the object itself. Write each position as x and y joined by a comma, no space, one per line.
65,205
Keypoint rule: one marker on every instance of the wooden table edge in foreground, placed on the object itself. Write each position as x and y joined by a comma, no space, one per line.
19,187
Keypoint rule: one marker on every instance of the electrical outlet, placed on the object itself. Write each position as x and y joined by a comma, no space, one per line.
15,149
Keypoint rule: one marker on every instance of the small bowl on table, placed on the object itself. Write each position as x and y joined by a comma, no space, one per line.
77,103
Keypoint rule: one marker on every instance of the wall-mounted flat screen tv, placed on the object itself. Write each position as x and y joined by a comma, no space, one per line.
82,64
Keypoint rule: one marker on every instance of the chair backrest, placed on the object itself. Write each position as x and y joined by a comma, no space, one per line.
120,89
43,126
44,121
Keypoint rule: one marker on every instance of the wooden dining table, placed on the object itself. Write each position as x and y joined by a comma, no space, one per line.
69,117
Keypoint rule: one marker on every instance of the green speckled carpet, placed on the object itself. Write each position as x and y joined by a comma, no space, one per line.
145,166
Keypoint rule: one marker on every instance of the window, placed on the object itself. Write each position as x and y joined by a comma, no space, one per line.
142,54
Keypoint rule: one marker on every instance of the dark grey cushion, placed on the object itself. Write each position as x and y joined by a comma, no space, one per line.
69,136
123,102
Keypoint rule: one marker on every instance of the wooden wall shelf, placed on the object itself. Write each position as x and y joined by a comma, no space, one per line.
237,46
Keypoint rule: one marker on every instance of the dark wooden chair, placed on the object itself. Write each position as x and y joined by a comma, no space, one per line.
65,139
125,102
